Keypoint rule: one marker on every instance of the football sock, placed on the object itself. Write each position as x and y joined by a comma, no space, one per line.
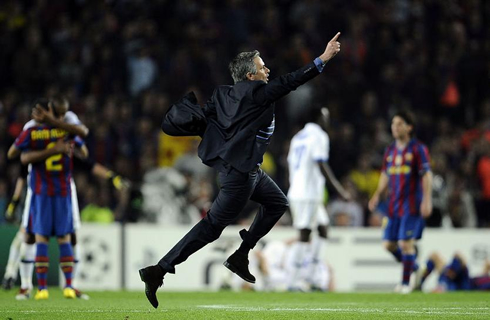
316,247
397,254
408,262
299,250
42,265
27,265
14,257
428,270
66,262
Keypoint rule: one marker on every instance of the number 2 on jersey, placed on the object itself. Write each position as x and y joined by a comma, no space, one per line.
52,162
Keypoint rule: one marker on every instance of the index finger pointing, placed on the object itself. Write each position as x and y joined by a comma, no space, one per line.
335,37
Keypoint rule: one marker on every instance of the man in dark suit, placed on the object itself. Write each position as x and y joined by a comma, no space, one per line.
236,125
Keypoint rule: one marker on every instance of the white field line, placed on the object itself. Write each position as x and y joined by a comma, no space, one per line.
447,311
442,311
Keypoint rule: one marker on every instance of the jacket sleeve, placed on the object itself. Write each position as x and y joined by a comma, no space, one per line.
277,88
185,118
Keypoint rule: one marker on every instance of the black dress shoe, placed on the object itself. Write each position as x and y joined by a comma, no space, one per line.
152,276
238,263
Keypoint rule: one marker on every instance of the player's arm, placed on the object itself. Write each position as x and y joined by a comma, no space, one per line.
426,205
13,152
60,146
19,186
117,181
330,176
80,151
382,186
423,163
279,87
46,116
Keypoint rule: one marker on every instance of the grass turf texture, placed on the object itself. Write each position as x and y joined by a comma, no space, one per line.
249,305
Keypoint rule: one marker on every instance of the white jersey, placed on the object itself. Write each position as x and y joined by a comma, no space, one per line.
70,117
308,147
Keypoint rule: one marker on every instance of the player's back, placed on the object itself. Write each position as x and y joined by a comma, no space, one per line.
308,147
52,176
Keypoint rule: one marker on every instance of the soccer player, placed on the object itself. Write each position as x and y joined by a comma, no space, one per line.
15,247
27,248
308,172
407,176
45,147
236,126
455,275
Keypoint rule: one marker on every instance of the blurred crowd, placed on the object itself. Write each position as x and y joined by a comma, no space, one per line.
122,63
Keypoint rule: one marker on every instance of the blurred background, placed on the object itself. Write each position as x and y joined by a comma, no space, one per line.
122,64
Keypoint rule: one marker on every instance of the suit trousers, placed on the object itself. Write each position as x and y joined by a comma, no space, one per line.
236,189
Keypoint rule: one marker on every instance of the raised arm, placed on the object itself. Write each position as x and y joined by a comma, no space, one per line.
42,115
282,85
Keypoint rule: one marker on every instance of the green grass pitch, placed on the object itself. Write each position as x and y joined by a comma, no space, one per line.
250,305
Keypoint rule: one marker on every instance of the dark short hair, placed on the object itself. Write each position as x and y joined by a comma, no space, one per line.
44,103
311,115
58,100
408,117
243,64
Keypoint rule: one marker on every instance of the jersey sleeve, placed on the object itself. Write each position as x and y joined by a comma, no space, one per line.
384,165
320,148
79,142
423,159
72,118
23,140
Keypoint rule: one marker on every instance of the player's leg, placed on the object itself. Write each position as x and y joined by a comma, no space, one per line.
13,261
26,268
273,205
42,266
236,188
66,265
435,262
390,237
303,216
319,242
63,228
76,225
408,231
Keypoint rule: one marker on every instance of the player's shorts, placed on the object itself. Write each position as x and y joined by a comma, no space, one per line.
308,214
26,217
51,216
74,206
481,283
404,228
27,222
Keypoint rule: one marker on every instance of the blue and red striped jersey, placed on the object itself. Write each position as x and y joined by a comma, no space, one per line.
50,177
405,169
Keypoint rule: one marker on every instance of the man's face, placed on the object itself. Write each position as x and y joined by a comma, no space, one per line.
60,110
399,128
262,71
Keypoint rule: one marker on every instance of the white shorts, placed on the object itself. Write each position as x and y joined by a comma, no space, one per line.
308,214
74,206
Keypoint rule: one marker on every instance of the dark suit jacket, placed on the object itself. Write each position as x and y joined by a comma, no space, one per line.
235,119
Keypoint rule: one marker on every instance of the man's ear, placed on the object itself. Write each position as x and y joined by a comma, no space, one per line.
250,76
